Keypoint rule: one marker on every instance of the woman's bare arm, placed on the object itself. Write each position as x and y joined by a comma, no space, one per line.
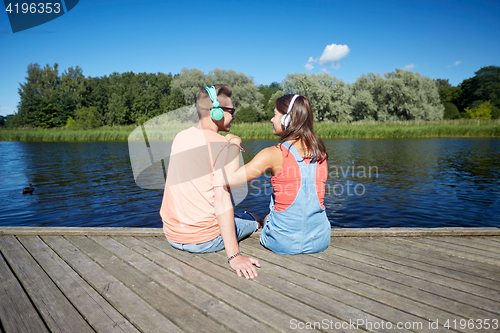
266,159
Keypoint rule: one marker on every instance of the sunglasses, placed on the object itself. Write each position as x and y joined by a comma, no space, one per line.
226,109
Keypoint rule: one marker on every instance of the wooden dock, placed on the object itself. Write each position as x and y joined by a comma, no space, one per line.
131,280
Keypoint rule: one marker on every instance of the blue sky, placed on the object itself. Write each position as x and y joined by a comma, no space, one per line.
264,39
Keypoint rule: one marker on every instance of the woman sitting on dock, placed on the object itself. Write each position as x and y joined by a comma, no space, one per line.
297,222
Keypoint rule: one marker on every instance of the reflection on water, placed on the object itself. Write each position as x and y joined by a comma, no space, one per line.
372,183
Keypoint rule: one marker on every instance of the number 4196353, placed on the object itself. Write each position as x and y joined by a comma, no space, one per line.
471,324
40,8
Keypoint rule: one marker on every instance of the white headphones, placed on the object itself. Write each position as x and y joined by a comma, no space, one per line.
286,119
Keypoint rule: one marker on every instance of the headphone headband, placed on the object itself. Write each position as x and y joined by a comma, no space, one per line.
286,119
291,103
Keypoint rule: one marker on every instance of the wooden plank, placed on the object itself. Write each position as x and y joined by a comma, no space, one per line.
337,303
163,254
443,254
336,232
83,231
414,232
57,312
340,277
168,304
495,239
455,250
370,284
135,309
465,241
490,243
202,301
402,249
381,250
97,311
17,313
253,289
433,289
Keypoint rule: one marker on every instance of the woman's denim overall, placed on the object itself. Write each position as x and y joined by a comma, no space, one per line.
303,227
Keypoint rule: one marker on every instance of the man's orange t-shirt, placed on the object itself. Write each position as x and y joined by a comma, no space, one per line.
188,206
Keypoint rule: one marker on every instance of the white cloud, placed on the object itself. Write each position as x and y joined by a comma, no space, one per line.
324,70
309,66
407,67
332,54
455,64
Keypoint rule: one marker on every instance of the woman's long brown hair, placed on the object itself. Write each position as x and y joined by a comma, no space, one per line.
301,126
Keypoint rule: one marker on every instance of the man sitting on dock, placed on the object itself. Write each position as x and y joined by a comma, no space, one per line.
197,212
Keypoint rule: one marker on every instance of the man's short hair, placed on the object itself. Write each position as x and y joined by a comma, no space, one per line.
203,102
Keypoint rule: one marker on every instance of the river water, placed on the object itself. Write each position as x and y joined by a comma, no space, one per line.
428,182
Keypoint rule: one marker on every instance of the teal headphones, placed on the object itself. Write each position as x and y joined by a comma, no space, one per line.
216,112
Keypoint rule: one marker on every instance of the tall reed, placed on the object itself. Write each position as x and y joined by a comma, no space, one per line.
390,129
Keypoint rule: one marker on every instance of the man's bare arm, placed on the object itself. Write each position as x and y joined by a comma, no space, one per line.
225,217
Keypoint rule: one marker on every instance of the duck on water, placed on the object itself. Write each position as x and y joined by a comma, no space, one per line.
28,189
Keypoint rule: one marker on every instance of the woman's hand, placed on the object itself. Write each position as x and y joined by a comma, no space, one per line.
245,265
234,139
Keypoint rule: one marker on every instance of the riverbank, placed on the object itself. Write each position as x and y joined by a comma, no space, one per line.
391,129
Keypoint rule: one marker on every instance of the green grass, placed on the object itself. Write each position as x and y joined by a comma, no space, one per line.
118,133
393,129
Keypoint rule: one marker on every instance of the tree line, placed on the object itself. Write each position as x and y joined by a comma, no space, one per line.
69,99
476,97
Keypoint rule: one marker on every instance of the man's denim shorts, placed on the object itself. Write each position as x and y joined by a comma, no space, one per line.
245,225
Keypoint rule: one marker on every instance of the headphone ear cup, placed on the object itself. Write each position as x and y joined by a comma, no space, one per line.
217,114
285,120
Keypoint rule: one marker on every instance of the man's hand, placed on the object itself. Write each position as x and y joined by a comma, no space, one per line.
245,265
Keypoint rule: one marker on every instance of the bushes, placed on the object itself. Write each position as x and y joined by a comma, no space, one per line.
450,111
246,114
482,111
85,118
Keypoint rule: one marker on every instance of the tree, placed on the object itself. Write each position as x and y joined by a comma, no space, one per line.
328,95
145,97
65,108
495,112
246,114
95,92
482,111
271,105
442,83
72,85
8,121
484,86
363,92
189,81
400,95
173,101
450,94
406,95
118,110
120,98
267,92
38,97
450,111
85,118
245,92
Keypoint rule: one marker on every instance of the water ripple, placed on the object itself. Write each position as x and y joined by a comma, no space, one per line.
446,182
